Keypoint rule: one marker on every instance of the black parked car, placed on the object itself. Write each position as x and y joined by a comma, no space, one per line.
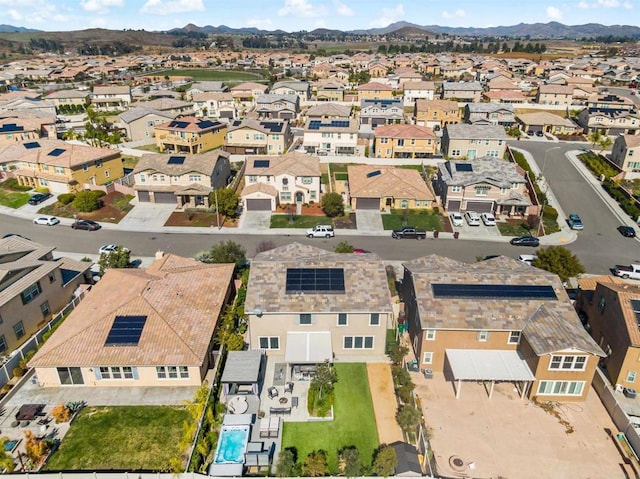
627,231
525,241
86,225
39,198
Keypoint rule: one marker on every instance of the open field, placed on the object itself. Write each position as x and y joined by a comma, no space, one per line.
213,75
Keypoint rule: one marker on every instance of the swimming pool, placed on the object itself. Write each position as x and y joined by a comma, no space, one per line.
232,445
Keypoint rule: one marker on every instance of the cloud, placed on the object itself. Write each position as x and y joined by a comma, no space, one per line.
100,6
170,7
605,4
14,15
627,5
554,13
389,16
261,23
583,5
300,8
342,9
608,3
459,13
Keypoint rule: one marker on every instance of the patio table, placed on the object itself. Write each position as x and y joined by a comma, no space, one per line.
28,412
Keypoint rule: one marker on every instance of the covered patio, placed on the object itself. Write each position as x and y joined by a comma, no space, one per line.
305,350
243,373
489,365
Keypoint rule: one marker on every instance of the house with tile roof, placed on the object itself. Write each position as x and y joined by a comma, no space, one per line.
23,128
184,180
191,135
474,141
374,91
375,112
462,91
262,137
301,89
172,106
206,87
306,305
498,320
329,90
547,122
63,98
331,137
140,123
387,187
277,107
110,97
626,154
554,95
151,327
270,181
489,114
417,90
405,141
329,111
33,287
436,113
219,105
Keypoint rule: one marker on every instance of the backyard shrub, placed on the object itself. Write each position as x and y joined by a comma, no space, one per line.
349,462
408,418
286,466
61,413
315,464
18,372
385,461
66,198
36,449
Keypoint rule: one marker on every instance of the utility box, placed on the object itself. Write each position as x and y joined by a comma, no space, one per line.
428,373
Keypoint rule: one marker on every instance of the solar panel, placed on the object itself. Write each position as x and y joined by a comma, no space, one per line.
261,163
31,145
179,124
371,174
206,124
176,160
314,124
464,167
56,152
314,280
635,305
492,291
125,331
11,127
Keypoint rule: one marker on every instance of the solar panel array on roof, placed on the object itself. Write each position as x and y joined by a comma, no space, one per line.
315,280
125,331
206,124
31,145
371,174
464,167
635,305
179,124
56,152
493,291
176,160
317,124
273,127
9,127
261,163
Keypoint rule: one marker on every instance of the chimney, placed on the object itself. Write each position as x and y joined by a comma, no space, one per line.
159,254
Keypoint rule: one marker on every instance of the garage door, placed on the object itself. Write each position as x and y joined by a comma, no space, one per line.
480,206
143,197
368,203
164,197
258,205
454,205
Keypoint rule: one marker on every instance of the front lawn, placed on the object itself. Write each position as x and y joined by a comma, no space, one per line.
421,219
13,199
123,437
114,207
513,228
354,422
302,221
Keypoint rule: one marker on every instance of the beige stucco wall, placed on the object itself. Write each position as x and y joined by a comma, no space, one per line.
480,146
421,146
48,377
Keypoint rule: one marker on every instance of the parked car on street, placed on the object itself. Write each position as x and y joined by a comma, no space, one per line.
320,231
575,223
409,232
526,240
488,219
632,271
456,219
87,225
39,198
110,248
46,220
627,231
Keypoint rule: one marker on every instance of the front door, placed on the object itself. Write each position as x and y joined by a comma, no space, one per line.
299,197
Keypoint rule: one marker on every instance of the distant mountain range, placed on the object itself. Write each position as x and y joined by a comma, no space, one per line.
12,29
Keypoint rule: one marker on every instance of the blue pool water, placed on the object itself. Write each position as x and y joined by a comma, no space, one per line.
10,445
232,445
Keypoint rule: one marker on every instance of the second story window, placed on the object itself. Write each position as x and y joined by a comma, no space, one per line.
31,293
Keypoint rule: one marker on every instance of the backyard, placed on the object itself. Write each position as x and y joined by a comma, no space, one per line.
122,437
354,421
422,219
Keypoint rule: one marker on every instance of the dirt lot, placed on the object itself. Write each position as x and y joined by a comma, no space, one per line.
384,402
199,219
512,438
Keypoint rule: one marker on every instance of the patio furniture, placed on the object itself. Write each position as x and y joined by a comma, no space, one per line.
294,401
274,411
273,392
28,412
283,400
274,426
255,446
288,388
264,427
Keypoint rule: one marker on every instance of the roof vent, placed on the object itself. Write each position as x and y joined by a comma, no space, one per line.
159,254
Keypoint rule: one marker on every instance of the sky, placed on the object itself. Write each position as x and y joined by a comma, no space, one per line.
296,15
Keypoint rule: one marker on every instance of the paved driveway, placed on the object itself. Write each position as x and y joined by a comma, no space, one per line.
147,216
255,220
369,221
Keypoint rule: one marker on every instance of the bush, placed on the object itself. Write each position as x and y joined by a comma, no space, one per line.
87,201
332,204
18,372
43,190
550,212
12,184
66,198
61,413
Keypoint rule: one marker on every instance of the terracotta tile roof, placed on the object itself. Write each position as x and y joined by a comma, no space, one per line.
296,164
181,298
445,105
192,124
259,188
404,131
626,292
556,89
589,283
204,163
71,156
372,86
399,183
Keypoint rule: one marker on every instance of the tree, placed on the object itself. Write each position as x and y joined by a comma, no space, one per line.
344,247
286,466
332,204
315,464
324,378
350,463
224,252
385,462
227,201
408,418
86,201
397,353
558,260
120,258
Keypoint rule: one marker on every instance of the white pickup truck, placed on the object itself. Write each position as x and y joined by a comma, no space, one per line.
632,271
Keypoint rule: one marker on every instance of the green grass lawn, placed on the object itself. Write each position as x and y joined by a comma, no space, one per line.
424,220
341,176
513,228
354,422
152,147
213,75
13,199
282,221
123,437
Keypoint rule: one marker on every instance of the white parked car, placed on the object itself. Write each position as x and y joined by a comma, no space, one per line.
320,231
473,218
110,248
488,219
527,258
46,220
456,219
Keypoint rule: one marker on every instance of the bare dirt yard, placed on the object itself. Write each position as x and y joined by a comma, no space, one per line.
384,402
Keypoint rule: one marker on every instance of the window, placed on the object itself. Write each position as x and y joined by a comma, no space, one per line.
430,335
456,189
106,173
455,152
59,170
98,163
503,191
493,153
570,362
191,178
3,344
116,372
482,190
560,388
18,328
253,179
70,376
483,335
43,182
171,372
342,319
631,377
307,180
404,204
400,142
269,342
52,276
427,358
374,320
44,307
285,196
358,342
183,371
305,318
31,293
85,167
514,186
143,178
514,337
601,304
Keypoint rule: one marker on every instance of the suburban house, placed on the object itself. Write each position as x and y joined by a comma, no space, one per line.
554,95
110,97
270,181
205,87
16,129
301,89
306,305
185,180
328,111
331,137
220,105
329,90
405,141
63,98
474,141
498,320
611,308
418,90
245,94
33,287
374,91
62,167
626,154
486,184
140,123
264,137
172,106
469,92
436,114
546,122
489,114
190,135
381,112
278,107
610,115
151,327
387,187
505,96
